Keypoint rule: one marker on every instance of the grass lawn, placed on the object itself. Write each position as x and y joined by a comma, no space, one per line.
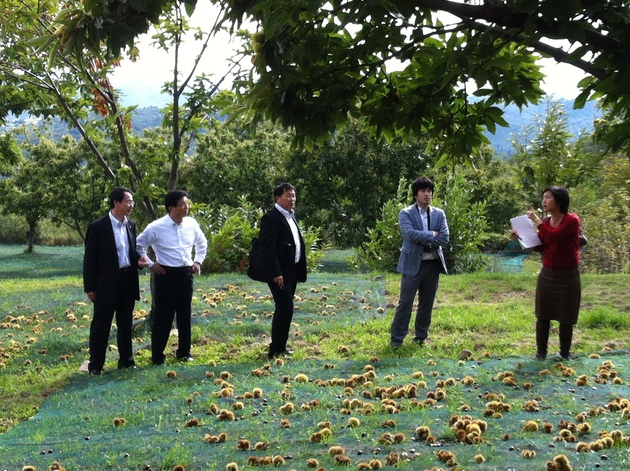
473,398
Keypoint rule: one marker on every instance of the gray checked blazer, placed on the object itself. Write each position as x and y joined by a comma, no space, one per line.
417,239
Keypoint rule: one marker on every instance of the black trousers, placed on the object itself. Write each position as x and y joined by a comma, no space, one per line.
102,321
173,297
282,316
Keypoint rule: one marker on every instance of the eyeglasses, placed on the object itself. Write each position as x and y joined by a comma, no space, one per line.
129,202
184,204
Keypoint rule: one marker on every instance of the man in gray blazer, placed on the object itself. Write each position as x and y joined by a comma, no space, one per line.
425,232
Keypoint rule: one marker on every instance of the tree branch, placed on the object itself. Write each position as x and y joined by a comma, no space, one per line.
504,17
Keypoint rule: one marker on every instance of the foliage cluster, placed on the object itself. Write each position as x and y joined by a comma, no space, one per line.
343,186
56,63
467,226
230,231
466,220
14,230
340,185
609,219
381,250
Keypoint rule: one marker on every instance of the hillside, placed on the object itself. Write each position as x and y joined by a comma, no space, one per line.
579,121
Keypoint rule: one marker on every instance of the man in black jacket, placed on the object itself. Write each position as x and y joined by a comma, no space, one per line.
284,260
110,279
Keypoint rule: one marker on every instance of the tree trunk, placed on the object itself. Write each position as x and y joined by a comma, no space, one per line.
30,236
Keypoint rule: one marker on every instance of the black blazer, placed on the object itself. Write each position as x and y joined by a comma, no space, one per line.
100,261
277,248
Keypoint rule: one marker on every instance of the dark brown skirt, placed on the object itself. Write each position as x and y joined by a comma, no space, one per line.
558,295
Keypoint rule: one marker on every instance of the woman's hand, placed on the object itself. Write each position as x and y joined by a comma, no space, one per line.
531,214
514,234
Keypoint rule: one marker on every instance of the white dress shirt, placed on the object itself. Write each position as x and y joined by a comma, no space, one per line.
173,243
294,230
423,216
121,239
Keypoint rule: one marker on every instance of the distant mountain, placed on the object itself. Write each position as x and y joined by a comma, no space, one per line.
579,121
143,118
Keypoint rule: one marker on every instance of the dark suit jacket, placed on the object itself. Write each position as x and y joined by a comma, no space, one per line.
277,248
100,261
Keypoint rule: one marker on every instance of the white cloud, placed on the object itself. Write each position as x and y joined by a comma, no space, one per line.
562,79
142,81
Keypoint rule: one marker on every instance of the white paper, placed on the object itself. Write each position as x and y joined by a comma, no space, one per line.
527,235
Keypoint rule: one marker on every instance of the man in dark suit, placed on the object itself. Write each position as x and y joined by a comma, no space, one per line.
284,260
110,279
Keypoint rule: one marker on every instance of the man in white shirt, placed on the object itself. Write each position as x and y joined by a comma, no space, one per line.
173,238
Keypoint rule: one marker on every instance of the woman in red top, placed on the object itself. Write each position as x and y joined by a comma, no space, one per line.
558,289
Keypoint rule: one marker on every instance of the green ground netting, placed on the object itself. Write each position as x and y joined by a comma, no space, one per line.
342,299
223,308
76,426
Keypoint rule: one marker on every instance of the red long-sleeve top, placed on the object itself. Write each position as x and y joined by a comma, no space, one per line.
561,245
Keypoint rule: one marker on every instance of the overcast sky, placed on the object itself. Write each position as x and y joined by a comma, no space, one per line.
142,81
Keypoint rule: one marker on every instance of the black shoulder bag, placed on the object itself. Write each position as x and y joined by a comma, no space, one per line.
256,264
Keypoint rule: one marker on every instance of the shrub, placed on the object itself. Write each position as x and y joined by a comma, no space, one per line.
13,229
607,226
230,231
495,242
314,253
55,234
381,249
467,227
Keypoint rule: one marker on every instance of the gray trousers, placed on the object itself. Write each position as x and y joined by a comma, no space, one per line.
425,283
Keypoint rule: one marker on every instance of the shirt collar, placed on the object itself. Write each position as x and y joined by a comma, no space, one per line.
422,211
286,213
115,221
172,222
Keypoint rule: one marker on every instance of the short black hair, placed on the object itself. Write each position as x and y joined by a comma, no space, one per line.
117,194
172,197
561,195
279,190
422,183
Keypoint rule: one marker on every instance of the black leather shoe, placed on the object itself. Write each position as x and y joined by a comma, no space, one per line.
418,341
186,358
95,372
286,353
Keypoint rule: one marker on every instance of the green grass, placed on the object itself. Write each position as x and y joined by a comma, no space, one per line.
341,325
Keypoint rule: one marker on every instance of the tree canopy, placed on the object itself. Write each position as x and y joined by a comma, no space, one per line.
400,66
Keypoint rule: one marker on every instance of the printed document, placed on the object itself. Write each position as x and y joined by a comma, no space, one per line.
527,235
